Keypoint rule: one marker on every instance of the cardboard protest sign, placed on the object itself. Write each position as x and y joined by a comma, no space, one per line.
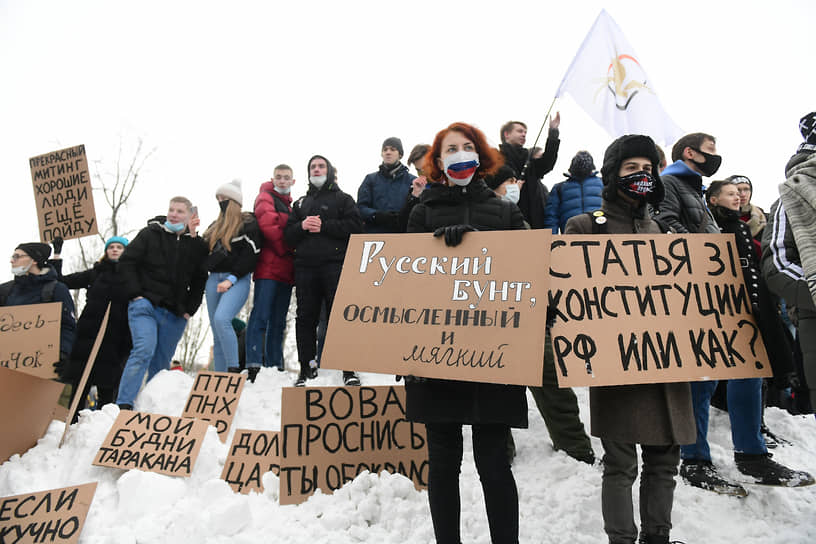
329,435
408,304
47,516
214,398
635,309
152,443
251,455
86,373
62,193
30,338
27,406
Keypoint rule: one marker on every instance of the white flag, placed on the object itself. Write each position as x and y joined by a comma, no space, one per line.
607,80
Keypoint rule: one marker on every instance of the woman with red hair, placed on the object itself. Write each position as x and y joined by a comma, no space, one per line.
457,201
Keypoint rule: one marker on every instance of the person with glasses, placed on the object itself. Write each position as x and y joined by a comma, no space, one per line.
35,283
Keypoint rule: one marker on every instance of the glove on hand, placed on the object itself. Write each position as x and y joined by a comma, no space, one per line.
454,233
57,243
62,368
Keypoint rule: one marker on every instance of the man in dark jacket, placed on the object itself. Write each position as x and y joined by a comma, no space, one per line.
164,270
318,229
533,195
683,209
35,283
579,193
382,194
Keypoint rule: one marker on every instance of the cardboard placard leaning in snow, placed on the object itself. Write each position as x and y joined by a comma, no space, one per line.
30,338
46,516
329,435
408,304
62,193
635,309
251,455
152,443
27,406
214,398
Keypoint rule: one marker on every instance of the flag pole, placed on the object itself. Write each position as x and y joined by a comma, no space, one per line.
540,130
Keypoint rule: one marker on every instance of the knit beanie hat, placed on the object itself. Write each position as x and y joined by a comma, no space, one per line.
807,126
38,252
394,142
116,240
739,178
502,174
582,165
232,190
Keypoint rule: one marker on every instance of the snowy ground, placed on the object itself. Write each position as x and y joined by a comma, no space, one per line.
559,497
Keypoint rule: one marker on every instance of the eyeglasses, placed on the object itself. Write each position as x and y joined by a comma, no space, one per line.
18,256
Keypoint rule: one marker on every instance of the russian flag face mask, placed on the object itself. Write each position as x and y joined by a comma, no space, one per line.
460,167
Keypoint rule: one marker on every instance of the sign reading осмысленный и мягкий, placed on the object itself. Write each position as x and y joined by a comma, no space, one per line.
627,308
408,304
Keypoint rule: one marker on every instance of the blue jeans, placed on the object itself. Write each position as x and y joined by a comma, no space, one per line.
155,332
223,307
744,410
267,323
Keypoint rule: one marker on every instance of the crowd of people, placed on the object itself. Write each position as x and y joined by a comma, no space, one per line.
156,281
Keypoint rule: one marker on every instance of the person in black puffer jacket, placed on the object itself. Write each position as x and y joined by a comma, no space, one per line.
234,241
449,207
105,284
164,272
318,229
683,208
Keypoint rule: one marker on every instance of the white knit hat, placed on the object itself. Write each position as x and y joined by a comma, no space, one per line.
232,190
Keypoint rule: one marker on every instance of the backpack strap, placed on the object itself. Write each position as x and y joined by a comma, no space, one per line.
47,293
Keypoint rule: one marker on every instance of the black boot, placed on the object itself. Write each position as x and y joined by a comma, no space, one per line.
702,474
765,471
252,373
350,378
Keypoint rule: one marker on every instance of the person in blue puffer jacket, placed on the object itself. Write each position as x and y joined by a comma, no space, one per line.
579,193
382,194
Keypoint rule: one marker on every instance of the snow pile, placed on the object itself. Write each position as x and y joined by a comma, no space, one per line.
559,497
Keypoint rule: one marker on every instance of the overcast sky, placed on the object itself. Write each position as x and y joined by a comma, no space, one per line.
228,90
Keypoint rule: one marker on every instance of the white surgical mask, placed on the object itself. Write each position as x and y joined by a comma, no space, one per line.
317,181
20,270
460,167
283,190
512,193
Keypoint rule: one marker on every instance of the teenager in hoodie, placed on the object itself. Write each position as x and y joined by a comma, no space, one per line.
274,275
318,229
165,273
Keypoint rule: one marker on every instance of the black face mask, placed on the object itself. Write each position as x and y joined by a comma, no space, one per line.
711,164
223,205
637,186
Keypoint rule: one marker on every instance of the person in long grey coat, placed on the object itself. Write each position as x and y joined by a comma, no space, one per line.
659,417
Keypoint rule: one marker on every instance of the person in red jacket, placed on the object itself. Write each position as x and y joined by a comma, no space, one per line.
274,275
